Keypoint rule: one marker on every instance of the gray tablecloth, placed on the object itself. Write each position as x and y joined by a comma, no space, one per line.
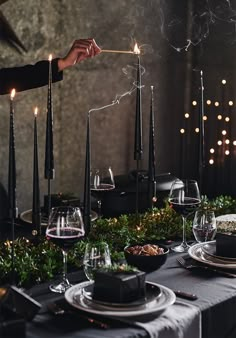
214,310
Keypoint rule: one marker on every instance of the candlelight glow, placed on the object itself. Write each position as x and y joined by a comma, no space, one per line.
50,58
136,49
13,93
35,111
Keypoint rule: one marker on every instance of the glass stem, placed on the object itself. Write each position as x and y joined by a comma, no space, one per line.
184,231
64,274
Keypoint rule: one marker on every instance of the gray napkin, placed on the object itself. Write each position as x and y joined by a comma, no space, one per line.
180,320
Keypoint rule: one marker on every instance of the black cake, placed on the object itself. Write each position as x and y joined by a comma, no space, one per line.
119,287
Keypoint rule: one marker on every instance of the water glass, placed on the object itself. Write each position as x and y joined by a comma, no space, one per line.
204,225
97,255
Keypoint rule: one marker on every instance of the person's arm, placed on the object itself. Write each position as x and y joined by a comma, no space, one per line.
33,76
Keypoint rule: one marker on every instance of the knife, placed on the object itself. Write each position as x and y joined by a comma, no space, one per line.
185,295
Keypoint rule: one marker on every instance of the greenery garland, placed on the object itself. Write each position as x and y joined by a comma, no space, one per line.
39,261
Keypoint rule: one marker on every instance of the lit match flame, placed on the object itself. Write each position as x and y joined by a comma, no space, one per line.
13,93
50,58
35,111
136,49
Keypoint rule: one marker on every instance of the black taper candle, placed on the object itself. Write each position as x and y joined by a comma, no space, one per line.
138,142
49,172
201,164
36,210
13,211
151,157
87,192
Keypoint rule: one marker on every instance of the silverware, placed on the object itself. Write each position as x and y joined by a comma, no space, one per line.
185,295
188,264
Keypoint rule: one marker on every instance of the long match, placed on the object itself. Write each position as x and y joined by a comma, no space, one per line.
117,51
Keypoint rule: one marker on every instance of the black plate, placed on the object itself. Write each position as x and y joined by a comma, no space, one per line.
152,292
210,250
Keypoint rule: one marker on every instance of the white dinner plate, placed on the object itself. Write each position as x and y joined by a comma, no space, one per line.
196,252
74,296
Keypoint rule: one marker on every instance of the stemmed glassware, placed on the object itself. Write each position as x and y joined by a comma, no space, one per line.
65,228
204,225
101,181
96,255
184,198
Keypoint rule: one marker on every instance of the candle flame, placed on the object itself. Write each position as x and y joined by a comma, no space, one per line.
35,111
13,93
50,58
136,49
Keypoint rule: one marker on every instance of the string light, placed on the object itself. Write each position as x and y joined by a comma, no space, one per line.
197,130
227,152
204,117
224,132
212,150
234,143
208,102
227,119
182,131
194,103
227,141
186,115
211,161
231,103
223,82
219,117
219,143
217,104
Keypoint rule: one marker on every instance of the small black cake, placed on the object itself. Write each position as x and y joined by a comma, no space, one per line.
226,244
119,285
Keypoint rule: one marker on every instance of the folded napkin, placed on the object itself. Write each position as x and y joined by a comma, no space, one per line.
180,320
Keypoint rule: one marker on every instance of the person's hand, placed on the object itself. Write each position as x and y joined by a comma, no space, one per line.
80,50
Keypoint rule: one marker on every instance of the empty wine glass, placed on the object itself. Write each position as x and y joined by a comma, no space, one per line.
101,181
184,198
65,228
96,255
204,225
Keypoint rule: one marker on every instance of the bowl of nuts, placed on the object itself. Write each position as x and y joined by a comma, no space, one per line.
146,257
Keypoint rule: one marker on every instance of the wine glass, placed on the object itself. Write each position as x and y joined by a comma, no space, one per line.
101,181
96,255
65,228
184,198
204,225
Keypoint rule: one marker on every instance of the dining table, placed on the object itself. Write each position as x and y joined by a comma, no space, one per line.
211,314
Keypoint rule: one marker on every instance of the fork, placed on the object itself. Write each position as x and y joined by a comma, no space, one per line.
187,264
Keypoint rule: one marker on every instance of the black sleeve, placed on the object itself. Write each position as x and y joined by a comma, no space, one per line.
28,77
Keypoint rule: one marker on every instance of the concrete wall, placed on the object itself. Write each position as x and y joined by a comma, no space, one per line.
47,27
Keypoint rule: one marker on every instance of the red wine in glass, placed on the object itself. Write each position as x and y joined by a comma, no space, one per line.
184,198
67,238
186,206
65,228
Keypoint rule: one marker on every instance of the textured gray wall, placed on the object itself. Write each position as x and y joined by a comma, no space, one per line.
50,27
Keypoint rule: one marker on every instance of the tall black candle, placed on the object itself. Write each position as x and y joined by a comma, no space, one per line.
138,142
36,210
13,211
201,164
49,172
151,158
87,192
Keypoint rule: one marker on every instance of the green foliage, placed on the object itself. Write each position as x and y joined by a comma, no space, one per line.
41,261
